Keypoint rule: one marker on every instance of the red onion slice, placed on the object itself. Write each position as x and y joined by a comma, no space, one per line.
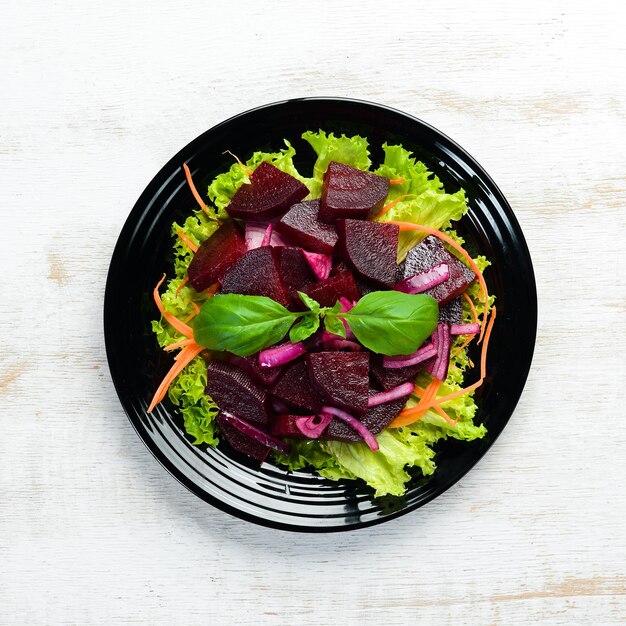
441,340
423,354
272,357
312,426
360,428
400,391
321,264
344,344
267,236
255,234
425,280
346,305
255,433
464,329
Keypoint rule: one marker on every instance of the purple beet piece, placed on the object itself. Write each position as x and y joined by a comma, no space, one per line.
452,312
284,426
250,365
213,258
376,419
328,291
387,377
302,225
257,273
235,392
269,193
295,387
295,271
342,378
371,249
431,252
366,286
241,442
349,192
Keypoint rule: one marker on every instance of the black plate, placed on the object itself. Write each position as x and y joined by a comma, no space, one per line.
270,496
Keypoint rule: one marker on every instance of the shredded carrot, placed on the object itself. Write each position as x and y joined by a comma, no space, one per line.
472,307
190,244
463,345
196,310
397,181
408,416
194,191
391,204
247,170
183,282
181,327
445,415
178,344
195,306
210,291
185,356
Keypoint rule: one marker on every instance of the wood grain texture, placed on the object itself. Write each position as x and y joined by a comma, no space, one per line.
96,96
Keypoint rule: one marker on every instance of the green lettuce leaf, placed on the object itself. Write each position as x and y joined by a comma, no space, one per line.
351,151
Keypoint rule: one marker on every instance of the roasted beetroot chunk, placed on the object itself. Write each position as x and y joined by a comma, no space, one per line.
241,442
269,193
376,419
371,249
295,387
257,273
349,192
235,392
303,227
328,291
387,378
215,256
452,313
342,378
284,426
431,252
295,271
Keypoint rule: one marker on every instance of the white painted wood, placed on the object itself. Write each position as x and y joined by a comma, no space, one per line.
95,97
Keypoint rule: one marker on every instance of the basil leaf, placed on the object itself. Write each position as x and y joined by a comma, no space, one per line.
309,302
334,325
309,323
240,324
392,322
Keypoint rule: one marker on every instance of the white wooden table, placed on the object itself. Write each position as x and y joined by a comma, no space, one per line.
95,97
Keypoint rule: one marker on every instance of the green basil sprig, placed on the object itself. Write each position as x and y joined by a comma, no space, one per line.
386,322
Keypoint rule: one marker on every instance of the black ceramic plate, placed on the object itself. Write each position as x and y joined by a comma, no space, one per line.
270,496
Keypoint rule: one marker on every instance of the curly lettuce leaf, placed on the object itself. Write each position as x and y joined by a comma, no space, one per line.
224,186
351,151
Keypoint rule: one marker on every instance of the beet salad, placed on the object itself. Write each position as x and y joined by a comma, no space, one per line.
324,322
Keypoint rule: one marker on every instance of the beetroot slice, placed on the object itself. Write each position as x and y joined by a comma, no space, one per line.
285,426
342,378
257,273
213,258
295,272
328,291
302,225
371,249
250,365
452,313
350,192
376,419
431,252
241,442
388,378
269,193
295,387
235,392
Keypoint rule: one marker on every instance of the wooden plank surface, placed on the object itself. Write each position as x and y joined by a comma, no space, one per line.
96,96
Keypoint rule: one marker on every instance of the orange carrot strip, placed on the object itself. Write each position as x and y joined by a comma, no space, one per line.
397,181
472,307
183,282
194,191
445,415
178,344
190,244
463,345
181,327
186,355
210,291
195,306
391,204
247,170
408,416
